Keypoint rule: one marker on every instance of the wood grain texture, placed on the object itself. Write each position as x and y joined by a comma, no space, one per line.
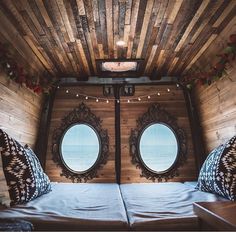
174,32
219,215
63,104
20,111
216,103
174,103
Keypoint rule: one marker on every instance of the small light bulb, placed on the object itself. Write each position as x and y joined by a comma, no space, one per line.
177,85
149,97
107,101
58,87
118,101
8,65
158,94
86,98
77,95
120,43
97,100
168,90
139,99
67,91
128,101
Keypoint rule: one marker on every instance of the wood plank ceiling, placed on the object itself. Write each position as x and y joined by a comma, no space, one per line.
66,37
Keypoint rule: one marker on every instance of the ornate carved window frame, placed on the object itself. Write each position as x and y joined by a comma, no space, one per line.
80,115
157,114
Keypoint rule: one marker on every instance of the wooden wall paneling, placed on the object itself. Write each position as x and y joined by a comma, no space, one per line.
144,29
216,103
133,24
140,18
115,27
62,105
102,17
207,35
203,15
168,35
11,36
19,108
175,104
109,18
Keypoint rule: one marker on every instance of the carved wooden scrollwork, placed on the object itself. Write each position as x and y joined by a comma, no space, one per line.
157,114
80,115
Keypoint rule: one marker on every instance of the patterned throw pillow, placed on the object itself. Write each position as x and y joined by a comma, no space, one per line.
24,175
218,173
4,194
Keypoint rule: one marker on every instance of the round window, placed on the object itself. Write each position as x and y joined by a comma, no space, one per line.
158,147
80,147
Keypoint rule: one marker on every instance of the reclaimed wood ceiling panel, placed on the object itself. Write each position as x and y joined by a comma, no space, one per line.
66,37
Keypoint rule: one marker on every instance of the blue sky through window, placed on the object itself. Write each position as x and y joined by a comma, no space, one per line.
158,147
80,147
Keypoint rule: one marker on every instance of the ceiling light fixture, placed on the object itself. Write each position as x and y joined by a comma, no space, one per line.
120,43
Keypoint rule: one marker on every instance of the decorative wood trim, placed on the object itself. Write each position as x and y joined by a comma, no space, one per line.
82,114
157,114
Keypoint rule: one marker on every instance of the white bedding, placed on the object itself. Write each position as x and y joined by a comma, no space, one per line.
163,206
153,206
74,207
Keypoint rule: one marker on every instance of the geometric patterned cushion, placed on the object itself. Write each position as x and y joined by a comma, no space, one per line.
4,194
24,175
218,173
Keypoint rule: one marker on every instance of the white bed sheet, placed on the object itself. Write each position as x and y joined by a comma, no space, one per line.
163,206
74,207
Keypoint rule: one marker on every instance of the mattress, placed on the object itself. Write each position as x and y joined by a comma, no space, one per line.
74,207
163,206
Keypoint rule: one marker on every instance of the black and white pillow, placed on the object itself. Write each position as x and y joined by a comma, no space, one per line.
218,173
23,173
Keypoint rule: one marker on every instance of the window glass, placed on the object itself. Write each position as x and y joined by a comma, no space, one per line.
80,147
158,147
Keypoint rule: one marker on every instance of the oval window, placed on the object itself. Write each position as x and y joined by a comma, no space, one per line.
80,147
158,147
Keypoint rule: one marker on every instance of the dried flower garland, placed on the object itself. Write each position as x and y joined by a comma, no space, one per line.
199,77
17,73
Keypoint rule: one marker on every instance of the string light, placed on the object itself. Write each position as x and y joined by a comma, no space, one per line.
108,100
58,87
177,85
